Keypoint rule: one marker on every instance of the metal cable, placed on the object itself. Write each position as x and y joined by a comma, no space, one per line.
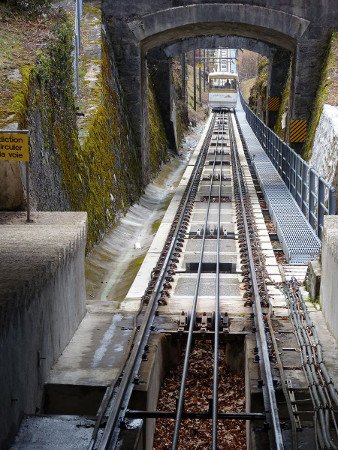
180,404
217,308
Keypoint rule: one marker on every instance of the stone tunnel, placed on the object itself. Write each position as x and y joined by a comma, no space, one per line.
158,30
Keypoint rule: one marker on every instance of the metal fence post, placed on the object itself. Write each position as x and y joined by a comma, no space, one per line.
320,207
332,201
311,198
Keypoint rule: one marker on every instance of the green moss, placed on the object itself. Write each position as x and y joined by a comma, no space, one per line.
110,167
20,101
322,94
257,99
136,264
158,145
283,105
182,119
104,175
156,225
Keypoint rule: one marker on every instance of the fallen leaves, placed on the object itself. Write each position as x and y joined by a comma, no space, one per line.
196,434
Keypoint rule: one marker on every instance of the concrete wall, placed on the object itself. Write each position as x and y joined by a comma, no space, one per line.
325,146
11,193
329,281
42,302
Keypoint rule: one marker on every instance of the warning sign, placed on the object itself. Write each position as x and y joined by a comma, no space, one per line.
14,146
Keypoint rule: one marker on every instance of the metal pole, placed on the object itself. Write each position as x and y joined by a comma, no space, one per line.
27,193
194,64
200,85
204,70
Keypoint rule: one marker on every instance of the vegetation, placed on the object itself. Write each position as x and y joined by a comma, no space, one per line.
158,145
103,175
258,92
182,119
284,105
31,7
20,38
326,83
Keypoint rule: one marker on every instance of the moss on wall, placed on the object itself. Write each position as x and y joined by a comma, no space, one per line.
46,107
330,63
284,105
257,99
110,169
182,118
103,176
158,145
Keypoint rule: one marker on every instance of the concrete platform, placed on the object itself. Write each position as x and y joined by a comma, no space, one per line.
97,351
54,433
42,301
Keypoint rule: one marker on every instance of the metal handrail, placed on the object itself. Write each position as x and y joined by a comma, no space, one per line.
313,194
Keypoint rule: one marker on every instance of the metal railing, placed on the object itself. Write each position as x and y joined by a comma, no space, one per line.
77,44
313,194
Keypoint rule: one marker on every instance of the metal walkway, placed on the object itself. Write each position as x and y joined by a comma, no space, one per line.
298,239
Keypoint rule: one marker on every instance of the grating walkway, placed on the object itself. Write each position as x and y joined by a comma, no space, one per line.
299,241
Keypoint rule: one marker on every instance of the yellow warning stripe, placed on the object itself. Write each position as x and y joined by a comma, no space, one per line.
298,130
273,103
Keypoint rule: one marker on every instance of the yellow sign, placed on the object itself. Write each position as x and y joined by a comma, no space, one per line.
14,146
199,66
273,103
298,130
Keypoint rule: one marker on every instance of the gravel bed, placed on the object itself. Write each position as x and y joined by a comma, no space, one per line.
196,434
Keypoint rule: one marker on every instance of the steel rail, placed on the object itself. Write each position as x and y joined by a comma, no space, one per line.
268,387
137,414
180,403
217,305
111,432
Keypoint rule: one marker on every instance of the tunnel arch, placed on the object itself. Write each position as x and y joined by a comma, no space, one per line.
264,24
214,42
135,28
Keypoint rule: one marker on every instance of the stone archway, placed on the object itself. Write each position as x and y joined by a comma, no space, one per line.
136,29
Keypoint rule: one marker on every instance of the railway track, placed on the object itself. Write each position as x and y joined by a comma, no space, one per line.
217,179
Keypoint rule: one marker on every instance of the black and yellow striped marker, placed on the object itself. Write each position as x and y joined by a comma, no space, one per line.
298,130
273,103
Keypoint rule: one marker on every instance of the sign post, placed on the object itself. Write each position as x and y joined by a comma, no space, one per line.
14,146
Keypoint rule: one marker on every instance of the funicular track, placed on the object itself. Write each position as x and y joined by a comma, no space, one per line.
113,414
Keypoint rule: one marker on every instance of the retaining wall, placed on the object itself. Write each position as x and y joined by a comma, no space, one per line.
329,281
42,301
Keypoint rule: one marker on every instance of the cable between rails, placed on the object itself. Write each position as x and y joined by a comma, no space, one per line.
180,404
